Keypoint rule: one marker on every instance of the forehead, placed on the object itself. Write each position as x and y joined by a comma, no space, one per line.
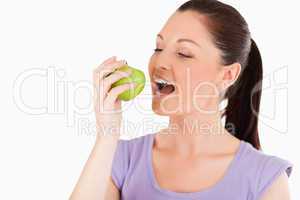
187,24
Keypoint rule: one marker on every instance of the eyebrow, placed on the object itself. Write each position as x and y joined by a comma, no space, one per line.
182,40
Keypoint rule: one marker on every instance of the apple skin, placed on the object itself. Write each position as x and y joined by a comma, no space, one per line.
137,76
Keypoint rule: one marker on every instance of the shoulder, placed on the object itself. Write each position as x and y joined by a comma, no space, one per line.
134,145
278,190
263,169
127,154
130,149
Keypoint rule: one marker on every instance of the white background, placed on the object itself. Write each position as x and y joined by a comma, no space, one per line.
42,151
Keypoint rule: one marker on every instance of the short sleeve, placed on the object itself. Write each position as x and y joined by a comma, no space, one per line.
272,168
120,163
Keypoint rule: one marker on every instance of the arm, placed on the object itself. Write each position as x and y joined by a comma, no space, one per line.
95,181
279,190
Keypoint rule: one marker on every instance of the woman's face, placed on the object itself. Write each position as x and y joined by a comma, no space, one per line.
187,57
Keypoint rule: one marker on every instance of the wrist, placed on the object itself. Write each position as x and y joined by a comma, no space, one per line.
107,138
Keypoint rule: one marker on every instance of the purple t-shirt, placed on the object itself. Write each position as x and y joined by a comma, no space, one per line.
248,176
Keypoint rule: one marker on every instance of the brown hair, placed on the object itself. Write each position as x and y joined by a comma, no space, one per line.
231,35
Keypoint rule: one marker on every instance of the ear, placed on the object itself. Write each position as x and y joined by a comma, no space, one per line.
230,74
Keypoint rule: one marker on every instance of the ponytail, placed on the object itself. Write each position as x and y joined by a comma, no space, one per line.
244,100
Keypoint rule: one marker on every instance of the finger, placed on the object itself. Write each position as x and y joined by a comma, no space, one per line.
98,94
105,62
102,87
116,70
109,60
114,92
106,70
111,67
115,76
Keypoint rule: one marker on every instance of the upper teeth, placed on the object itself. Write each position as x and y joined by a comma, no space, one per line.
162,81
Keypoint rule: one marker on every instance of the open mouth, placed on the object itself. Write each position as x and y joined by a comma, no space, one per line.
164,87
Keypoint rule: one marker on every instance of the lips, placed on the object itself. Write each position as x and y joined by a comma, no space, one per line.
157,76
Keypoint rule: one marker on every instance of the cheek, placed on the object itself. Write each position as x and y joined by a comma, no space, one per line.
204,73
204,81
197,80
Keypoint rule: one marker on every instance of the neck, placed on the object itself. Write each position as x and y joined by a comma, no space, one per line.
197,133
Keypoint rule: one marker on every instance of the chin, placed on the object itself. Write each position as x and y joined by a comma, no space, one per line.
169,108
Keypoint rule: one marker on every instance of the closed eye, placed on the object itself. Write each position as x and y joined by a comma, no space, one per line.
180,54
156,50
183,55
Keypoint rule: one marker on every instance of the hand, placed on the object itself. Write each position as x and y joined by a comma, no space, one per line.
107,106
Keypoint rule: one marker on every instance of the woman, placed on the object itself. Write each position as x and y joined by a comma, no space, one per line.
204,54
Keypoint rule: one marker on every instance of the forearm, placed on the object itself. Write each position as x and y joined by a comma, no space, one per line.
94,178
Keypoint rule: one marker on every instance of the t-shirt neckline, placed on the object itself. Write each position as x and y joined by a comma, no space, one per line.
222,181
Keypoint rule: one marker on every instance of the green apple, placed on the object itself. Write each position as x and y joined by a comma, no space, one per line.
137,76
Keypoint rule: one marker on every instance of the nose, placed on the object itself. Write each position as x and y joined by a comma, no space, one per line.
162,63
163,68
